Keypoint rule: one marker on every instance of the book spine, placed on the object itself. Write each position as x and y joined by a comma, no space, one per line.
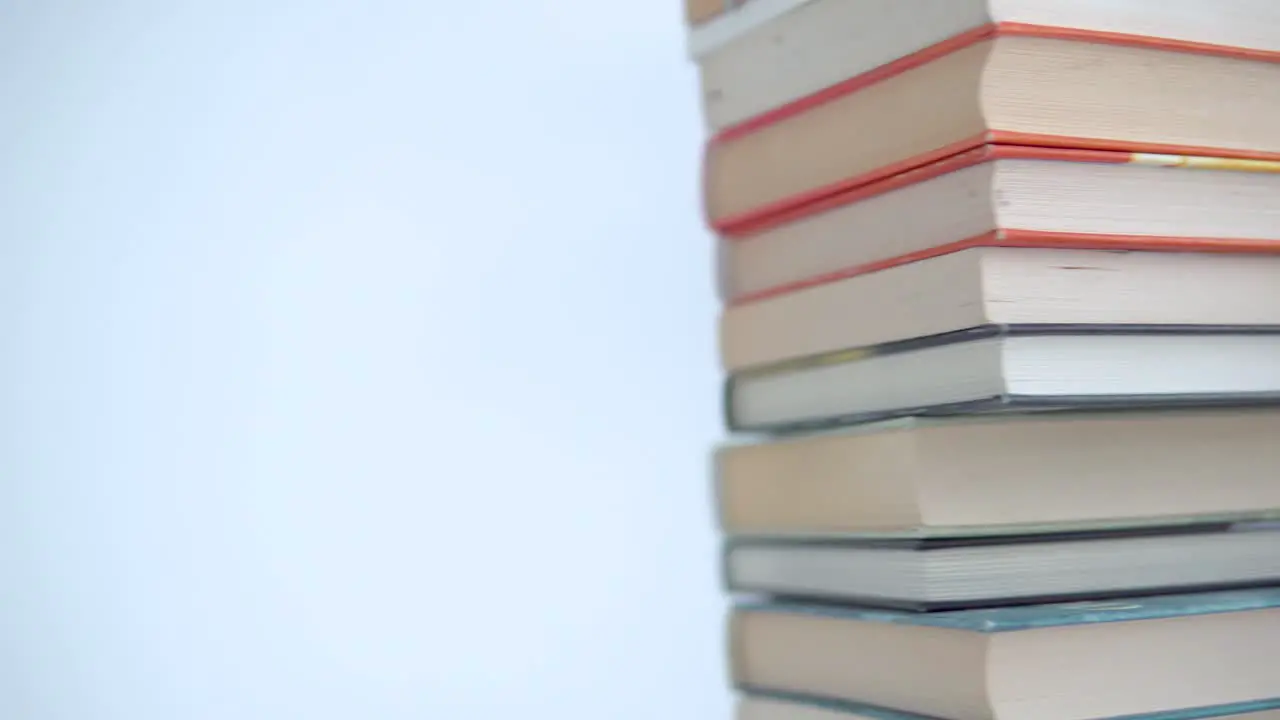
725,290
726,572
716,472
730,415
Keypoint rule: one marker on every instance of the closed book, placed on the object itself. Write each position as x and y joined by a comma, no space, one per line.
766,54
1003,286
1011,369
1073,661
999,475
782,707
937,574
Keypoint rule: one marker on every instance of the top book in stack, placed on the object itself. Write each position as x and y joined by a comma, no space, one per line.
812,98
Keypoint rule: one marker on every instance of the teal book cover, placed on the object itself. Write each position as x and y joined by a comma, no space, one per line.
1028,617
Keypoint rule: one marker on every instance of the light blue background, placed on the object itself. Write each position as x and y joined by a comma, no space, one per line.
358,363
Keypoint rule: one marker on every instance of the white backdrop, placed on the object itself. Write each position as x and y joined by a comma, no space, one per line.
358,363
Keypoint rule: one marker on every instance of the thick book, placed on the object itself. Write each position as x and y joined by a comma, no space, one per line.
764,54
1011,196
1011,369
982,476
1071,661
1033,86
940,574
784,707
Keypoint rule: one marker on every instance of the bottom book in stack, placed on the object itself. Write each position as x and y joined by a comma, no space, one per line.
778,707
1057,567
1073,661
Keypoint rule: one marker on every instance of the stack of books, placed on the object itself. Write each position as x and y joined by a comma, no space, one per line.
1001,336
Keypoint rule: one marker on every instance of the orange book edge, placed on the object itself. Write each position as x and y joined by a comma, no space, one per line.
799,204
1013,237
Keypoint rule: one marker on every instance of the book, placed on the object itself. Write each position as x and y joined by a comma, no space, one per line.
1016,196
1003,369
765,54
782,707
937,574
1071,661
988,286
981,476
1017,86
